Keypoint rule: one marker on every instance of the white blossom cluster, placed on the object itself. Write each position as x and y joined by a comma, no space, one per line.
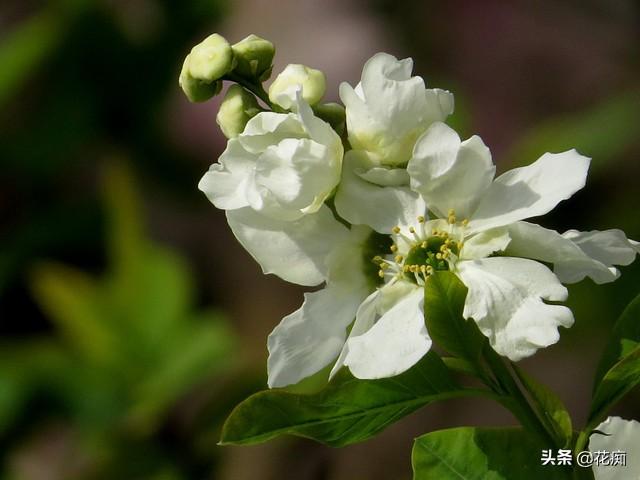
372,212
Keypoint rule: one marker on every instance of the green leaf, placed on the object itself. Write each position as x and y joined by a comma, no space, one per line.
71,299
200,350
470,453
617,382
549,406
346,411
624,339
444,298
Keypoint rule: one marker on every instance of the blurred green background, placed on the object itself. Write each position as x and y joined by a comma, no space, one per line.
131,321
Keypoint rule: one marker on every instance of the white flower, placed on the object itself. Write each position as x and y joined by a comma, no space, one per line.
388,335
386,114
283,166
481,217
389,109
617,436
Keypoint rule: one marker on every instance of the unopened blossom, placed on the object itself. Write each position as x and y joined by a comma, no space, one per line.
297,77
618,442
386,112
204,67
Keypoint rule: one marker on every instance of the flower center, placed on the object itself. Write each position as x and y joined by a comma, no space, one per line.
430,247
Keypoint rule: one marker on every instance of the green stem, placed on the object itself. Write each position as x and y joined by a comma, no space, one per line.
255,88
515,400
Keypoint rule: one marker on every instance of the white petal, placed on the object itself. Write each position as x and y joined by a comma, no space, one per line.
571,263
394,344
365,318
450,174
317,129
623,436
295,251
611,247
505,299
297,176
389,109
364,203
226,183
310,338
485,243
268,128
531,191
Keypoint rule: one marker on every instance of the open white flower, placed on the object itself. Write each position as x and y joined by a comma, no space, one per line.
506,294
480,219
616,436
386,114
283,166
388,336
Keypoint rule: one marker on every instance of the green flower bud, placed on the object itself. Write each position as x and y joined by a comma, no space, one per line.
283,89
211,59
197,90
333,114
237,108
254,56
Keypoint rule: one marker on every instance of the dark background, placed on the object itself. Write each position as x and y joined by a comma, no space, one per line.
130,319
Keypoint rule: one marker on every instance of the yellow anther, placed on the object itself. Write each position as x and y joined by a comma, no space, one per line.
377,259
398,258
384,266
429,269
439,256
423,268
412,230
424,244
443,248
445,255
396,230
451,212
465,222
421,219
394,248
460,246
405,268
381,273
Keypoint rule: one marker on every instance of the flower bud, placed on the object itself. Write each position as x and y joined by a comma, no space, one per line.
211,59
254,56
237,108
197,90
283,89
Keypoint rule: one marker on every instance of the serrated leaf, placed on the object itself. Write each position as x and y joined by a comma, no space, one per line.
444,299
346,411
471,453
549,405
